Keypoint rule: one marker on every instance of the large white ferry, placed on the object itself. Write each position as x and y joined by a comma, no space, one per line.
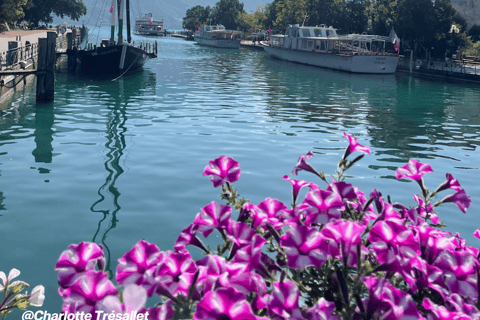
217,36
149,26
321,46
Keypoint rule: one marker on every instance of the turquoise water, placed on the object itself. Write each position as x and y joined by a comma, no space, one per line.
117,162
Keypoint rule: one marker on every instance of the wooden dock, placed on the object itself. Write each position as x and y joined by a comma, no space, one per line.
37,58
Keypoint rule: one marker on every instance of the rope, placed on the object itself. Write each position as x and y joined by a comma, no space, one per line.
126,70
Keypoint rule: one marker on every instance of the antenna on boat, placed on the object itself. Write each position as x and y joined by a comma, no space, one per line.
304,18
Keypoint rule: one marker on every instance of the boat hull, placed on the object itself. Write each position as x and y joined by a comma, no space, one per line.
107,59
374,64
219,43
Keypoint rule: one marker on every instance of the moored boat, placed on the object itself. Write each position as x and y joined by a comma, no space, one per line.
217,36
149,26
321,46
116,57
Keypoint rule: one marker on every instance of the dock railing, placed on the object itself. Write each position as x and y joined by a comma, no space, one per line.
464,66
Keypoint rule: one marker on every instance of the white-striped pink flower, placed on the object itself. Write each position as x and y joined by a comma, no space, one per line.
212,216
77,259
225,304
175,273
87,292
353,146
296,186
302,246
221,170
323,206
268,211
283,301
138,265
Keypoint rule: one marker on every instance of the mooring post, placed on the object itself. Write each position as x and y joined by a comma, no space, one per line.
46,66
41,68
71,54
12,54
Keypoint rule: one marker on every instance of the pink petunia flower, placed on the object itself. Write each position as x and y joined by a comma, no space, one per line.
138,265
87,292
221,170
296,186
323,206
302,246
188,237
134,299
413,170
175,273
225,303
321,311
451,183
461,199
353,146
212,216
77,259
268,211
283,301
346,235
302,164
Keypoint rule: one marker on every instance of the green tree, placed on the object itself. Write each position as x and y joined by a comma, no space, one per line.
42,10
13,10
255,20
227,12
196,17
382,16
474,32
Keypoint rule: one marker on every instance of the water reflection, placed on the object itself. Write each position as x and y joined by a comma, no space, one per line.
44,119
297,93
123,92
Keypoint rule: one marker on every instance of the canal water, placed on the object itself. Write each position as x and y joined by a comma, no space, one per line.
119,161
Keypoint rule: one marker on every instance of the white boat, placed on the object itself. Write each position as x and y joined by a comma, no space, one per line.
321,46
217,36
149,26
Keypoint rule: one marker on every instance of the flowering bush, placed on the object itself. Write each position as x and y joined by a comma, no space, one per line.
337,254
13,299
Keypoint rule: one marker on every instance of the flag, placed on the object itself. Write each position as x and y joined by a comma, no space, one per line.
270,30
111,9
198,27
394,39
151,21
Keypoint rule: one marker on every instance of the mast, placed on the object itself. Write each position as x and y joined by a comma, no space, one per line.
112,22
129,36
120,21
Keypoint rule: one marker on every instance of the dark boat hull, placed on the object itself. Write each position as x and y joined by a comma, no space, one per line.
107,60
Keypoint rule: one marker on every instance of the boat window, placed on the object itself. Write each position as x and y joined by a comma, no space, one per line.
310,45
330,33
306,32
275,41
317,45
318,32
323,45
304,44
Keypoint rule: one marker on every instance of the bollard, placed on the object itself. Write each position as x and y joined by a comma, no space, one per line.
12,54
46,66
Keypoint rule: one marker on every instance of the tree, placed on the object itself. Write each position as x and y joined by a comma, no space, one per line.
474,32
42,10
195,17
382,16
227,12
255,20
13,10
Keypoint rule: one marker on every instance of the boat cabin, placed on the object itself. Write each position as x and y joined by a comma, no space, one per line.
214,32
324,39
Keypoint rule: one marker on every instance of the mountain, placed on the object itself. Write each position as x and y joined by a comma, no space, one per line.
172,12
